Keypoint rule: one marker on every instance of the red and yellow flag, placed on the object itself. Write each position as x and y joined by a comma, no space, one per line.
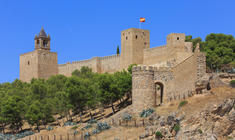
142,19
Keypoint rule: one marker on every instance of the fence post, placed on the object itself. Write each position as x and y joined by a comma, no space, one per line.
68,136
82,136
54,137
60,137
74,136
143,122
135,122
120,122
113,121
48,137
35,137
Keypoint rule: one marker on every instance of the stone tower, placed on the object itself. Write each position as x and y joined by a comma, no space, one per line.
133,43
40,63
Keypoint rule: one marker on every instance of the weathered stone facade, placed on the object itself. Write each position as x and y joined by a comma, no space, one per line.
176,82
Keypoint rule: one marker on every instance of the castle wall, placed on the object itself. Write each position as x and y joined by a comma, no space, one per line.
28,66
158,55
47,64
109,64
97,64
143,88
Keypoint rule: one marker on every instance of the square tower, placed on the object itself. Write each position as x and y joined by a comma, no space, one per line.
133,43
40,63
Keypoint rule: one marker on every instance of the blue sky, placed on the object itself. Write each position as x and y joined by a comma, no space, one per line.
83,29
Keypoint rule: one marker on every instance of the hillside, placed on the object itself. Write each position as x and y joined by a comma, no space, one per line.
208,115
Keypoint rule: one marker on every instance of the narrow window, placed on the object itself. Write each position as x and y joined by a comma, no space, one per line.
126,38
136,36
28,63
178,38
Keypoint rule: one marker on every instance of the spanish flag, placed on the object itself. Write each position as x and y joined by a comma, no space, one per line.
142,19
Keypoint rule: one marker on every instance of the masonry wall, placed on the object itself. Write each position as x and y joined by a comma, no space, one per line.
47,64
109,64
158,54
28,66
97,64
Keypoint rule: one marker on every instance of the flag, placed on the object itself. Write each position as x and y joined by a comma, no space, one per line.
142,19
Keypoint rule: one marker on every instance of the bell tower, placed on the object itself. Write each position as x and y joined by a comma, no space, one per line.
40,63
42,41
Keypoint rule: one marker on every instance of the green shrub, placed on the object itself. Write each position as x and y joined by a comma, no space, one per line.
182,103
177,127
158,134
74,128
200,131
146,113
232,83
126,117
49,128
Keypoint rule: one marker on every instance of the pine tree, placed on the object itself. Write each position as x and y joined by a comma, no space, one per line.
118,52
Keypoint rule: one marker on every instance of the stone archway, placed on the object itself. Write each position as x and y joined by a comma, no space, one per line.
159,93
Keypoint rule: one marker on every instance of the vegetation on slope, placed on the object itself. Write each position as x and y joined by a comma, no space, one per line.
38,101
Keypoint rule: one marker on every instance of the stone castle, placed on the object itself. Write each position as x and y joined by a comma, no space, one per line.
163,73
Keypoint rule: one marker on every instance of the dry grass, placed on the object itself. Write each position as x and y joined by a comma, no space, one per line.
198,102
195,104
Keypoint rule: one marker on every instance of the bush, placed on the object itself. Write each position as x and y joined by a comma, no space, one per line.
102,126
146,113
69,123
158,134
95,131
200,131
182,103
177,128
92,121
126,117
87,127
74,128
232,83
75,132
49,128
87,135
17,136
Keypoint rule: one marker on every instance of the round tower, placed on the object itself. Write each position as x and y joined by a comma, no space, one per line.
143,88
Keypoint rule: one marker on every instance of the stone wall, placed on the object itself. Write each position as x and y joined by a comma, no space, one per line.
157,55
97,64
28,66
143,88
176,82
38,64
47,64
109,64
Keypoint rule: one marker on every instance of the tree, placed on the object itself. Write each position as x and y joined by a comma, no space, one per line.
84,72
189,38
129,69
108,90
34,114
76,90
118,52
12,112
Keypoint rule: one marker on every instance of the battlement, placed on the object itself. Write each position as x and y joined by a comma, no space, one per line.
150,68
109,57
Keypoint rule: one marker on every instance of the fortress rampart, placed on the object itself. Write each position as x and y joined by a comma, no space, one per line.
152,86
97,64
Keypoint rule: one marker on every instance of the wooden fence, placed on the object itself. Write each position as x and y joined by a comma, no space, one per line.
81,135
